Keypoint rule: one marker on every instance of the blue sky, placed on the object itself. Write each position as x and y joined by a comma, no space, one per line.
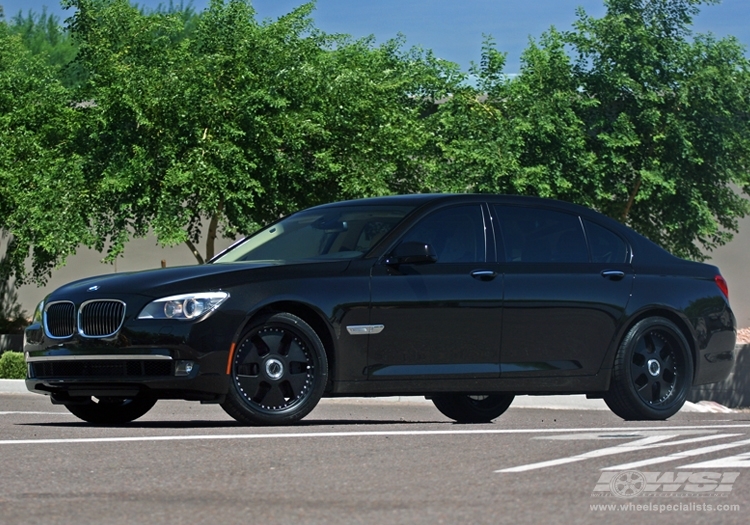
453,29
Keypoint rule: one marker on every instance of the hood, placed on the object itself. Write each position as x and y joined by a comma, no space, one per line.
149,282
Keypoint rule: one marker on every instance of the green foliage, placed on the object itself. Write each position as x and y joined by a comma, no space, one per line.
643,123
670,126
43,36
12,365
197,125
241,121
42,202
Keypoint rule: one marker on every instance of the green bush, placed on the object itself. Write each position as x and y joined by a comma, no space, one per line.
12,366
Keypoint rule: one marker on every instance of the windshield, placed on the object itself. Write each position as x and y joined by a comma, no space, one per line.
344,232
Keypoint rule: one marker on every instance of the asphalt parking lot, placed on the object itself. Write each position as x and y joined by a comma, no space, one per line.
370,461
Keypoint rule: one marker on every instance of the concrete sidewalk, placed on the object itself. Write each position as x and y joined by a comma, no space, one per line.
572,402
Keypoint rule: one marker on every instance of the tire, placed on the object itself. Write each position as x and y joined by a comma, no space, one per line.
466,408
652,372
111,411
279,372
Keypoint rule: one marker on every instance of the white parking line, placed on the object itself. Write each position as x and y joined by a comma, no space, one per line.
647,443
738,461
679,455
374,433
21,412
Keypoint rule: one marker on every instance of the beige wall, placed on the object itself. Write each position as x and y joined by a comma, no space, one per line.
140,254
733,260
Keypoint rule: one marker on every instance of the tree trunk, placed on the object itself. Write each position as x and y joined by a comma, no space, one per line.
194,251
212,227
631,199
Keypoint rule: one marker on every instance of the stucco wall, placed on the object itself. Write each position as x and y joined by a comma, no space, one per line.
140,254
733,260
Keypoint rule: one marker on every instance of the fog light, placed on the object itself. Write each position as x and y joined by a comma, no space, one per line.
183,368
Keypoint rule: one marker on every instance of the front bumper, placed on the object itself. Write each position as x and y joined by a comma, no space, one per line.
163,360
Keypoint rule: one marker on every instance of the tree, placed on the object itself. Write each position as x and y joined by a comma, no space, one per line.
240,122
42,198
671,128
43,35
643,123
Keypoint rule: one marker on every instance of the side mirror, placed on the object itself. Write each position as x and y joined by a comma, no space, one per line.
412,253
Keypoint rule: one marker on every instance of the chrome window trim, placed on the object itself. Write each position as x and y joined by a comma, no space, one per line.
80,310
44,320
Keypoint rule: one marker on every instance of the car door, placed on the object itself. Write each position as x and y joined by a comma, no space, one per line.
564,296
439,320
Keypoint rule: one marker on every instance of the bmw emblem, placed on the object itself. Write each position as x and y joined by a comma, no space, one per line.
93,288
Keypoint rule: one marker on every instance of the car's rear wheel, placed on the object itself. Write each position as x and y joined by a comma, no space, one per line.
278,372
111,411
652,372
465,408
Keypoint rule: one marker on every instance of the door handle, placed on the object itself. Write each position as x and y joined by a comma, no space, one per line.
483,275
613,275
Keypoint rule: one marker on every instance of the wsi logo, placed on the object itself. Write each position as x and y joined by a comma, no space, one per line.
632,483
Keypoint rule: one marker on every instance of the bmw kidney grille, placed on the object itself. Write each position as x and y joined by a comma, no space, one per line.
97,318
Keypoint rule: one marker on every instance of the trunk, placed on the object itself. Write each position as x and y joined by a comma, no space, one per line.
631,200
212,226
194,251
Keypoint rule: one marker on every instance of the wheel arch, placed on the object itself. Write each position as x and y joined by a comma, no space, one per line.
309,315
679,321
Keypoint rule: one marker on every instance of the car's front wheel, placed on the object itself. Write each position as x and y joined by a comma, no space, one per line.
464,408
278,372
111,411
652,372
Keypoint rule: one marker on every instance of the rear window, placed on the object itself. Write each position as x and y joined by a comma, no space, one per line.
606,246
537,235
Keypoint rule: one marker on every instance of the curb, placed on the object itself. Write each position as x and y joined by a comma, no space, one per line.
734,391
13,386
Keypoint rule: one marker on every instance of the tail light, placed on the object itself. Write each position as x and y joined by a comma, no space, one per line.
722,284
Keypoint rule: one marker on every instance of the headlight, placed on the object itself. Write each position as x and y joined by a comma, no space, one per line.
185,307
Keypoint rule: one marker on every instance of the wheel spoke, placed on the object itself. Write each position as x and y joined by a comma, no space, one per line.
250,385
638,366
274,397
655,391
296,354
657,343
284,343
261,347
667,362
645,387
297,382
642,347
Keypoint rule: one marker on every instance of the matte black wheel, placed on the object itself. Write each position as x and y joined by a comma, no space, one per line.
279,372
466,408
652,373
111,411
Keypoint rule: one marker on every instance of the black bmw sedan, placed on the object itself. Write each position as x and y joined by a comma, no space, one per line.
468,300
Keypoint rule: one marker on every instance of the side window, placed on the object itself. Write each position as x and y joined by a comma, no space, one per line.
536,235
606,247
456,234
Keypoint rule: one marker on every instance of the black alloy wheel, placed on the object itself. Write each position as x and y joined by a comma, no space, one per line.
278,372
652,373
466,408
111,411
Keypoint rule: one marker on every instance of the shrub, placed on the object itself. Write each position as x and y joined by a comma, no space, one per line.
12,366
